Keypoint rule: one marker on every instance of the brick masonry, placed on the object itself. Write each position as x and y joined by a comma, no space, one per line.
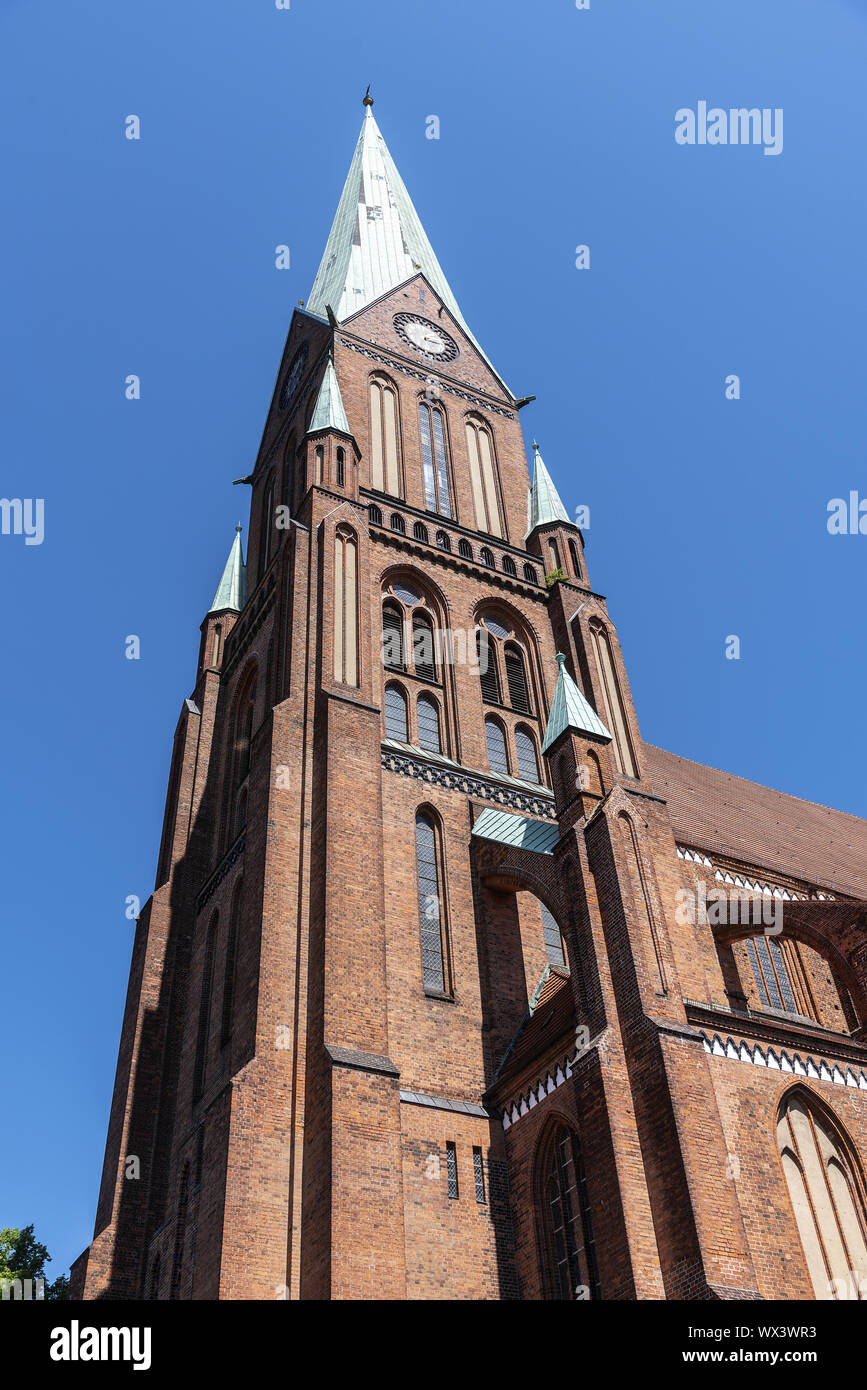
288,1086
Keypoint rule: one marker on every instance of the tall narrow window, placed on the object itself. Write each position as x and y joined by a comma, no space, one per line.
341,467
423,647
266,534
320,464
528,763
215,653
384,466
553,939
204,1010
435,467
516,676
553,554
487,659
496,741
428,724
568,1236
231,967
392,637
576,564
479,1174
395,714
482,477
180,1233
345,609
430,906
827,1199
615,708
452,1171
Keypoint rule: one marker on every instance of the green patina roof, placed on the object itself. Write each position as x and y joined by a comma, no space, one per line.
328,413
543,503
232,589
376,240
509,829
570,710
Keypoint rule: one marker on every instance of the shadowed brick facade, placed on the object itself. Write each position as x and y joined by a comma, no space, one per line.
316,1112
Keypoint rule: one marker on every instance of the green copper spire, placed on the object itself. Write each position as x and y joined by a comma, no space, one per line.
543,504
232,589
328,413
570,710
377,241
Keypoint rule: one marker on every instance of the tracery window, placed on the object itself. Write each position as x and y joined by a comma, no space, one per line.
384,431
827,1198
434,458
568,1251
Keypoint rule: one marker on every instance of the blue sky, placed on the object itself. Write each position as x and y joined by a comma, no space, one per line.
156,257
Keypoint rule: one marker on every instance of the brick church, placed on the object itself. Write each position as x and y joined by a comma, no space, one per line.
451,986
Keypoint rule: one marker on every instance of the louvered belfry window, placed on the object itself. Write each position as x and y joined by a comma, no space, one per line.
434,461
487,668
430,906
423,648
395,714
516,676
392,637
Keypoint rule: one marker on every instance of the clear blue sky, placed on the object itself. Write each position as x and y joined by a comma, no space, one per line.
708,517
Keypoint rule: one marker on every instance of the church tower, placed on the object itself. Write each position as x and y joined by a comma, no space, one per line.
408,1007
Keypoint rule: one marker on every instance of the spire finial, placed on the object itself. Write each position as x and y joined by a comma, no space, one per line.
535,447
561,660
239,528
367,99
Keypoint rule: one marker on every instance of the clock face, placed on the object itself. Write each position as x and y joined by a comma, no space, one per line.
426,337
293,376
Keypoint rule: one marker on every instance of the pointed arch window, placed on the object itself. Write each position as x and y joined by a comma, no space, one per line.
480,448
525,748
496,742
431,908
374,515
345,608
231,966
568,1249
428,724
465,550
435,466
266,532
319,455
180,1232
827,1198
487,557
509,566
423,654
341,467
384,431
553,554
530,575
395,714
516,676
205,1009
392,637
615,707
443,541
488,676
420,532
576,563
